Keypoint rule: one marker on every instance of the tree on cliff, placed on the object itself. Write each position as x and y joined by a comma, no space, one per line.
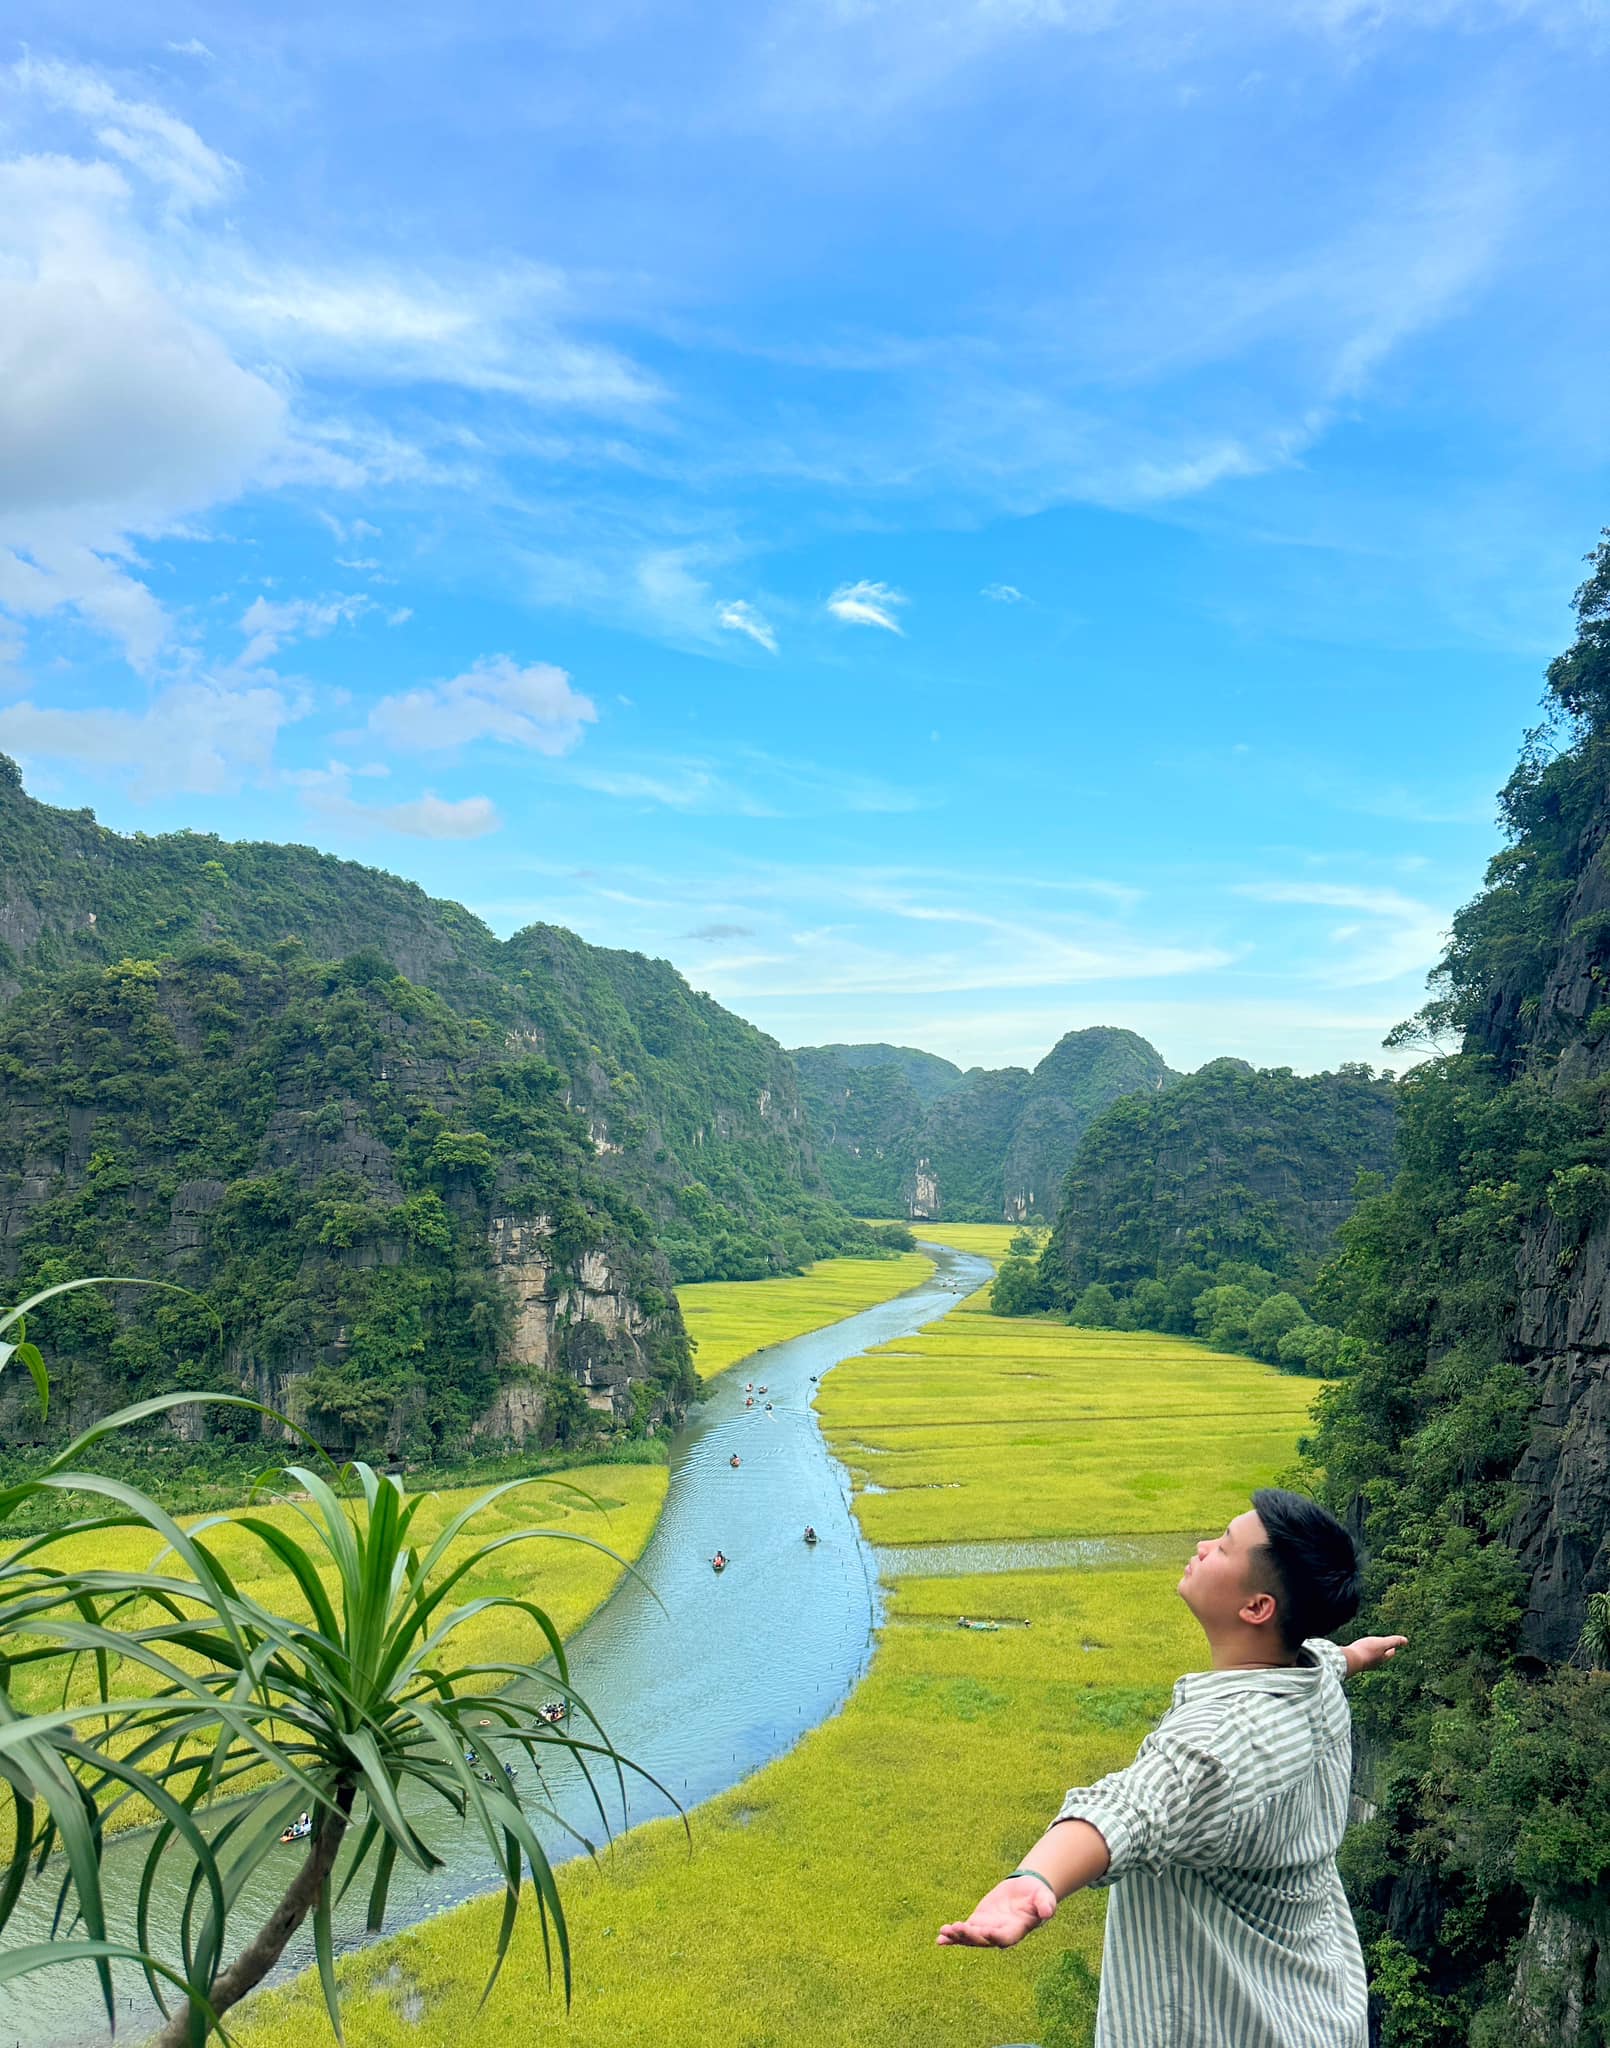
1468,1443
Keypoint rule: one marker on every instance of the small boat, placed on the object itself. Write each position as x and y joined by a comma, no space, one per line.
471,1754
553,1710
749,1386
299,1829
718,1563
761,1390
750,1402
811,1536
735,1461
768,1407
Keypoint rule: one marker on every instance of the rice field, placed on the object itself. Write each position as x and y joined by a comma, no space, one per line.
808,1908
985,1426
990,1240
732,1319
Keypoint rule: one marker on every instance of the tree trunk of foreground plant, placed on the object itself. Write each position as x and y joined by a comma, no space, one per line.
260,1955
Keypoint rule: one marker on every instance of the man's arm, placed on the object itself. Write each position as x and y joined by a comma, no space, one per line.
1069,1855
1369,1651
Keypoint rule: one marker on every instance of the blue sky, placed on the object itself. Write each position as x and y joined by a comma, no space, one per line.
949,521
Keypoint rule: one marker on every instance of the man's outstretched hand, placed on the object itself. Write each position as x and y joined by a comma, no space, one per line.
1002,1917
1369,1651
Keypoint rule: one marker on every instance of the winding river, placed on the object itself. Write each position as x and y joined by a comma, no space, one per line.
701,1687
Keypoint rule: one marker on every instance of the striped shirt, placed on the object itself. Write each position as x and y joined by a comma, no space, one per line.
1228,1926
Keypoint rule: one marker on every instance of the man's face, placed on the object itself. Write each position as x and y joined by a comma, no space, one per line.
1219,1582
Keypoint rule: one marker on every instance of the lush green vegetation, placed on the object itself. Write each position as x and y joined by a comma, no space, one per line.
1469,1442
695,1113
728,1320
1239,1307
1232,1163
809,1910
899,1129
318,1152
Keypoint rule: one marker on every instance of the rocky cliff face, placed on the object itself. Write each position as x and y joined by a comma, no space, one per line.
1561,1327
583,1321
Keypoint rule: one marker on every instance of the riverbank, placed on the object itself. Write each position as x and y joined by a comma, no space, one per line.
730,1320
809,1910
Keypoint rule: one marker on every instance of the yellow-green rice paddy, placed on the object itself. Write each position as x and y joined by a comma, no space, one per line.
730,1319
808,1909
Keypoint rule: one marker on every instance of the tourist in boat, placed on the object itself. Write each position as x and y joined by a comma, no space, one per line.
299,1829
718,1562
768,1407
1228,1822
552,1710
810,1533
472,1755
749,1386
735,1461
750,1402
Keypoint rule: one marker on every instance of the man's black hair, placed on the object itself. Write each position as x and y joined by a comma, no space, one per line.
1313,1562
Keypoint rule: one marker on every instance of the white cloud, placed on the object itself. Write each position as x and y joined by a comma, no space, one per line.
1002,593
531,707
202,738
166,150
741,617
270,625
193,46
867,604
118,414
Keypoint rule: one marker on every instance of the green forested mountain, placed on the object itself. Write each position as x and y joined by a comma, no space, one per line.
1472,1446
392,1227
696,1114
895,1136
1231,1163
929,1075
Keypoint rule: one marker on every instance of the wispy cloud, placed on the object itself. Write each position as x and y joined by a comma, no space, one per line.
164,149
867,604
328,793
269,625
1002,593
741,617
1392,935
749,783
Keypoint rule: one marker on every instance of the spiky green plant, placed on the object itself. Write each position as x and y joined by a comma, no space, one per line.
342,1698
1593,1645
48,1762
357,1704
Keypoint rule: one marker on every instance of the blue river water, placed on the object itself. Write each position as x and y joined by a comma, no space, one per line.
701,1685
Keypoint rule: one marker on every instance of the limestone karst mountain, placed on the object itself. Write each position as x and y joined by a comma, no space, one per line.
904,1133
340,1106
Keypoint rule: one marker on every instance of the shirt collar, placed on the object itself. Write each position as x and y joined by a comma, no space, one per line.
1285,1681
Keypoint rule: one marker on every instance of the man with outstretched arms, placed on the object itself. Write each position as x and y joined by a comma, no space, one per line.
1227,1926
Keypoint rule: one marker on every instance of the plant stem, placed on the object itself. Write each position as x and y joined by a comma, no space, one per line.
260,1955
